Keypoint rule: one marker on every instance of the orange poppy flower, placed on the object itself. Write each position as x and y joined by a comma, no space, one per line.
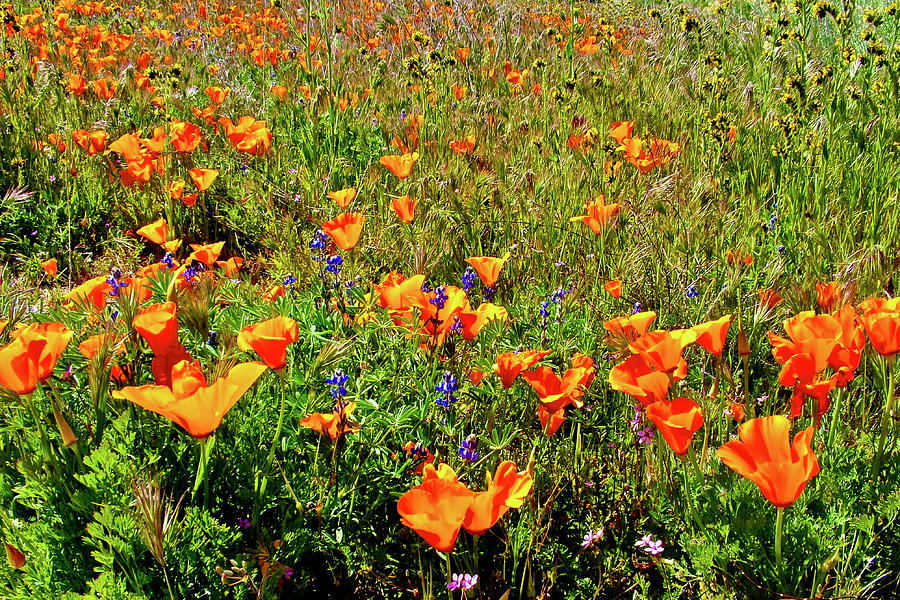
459,91
677,421
94,142
94,291
190,402
630,327
621,131
510,364
280,91
551,422
829,294
488,267
881,320
108,343
474,321
203,178
157,232
614,288
598,214
343,197
436,508
401,166
662,349
556,392
31,356
475,376
249,135
765,456
185,136
175,189
463,54
51,267
463,146
405,207
207,254
711,335
506,489
158,325
345,229
274,292
216,94
334,424
270,340
232,266
637,378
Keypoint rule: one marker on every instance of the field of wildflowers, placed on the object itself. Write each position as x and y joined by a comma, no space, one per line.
459,299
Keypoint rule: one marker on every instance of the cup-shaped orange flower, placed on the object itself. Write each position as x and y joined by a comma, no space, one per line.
663,349
18,367
765,456
203,178
506,489
405,207
270,340
556,392
343,197
51,267
488,267
637,378
157,232
435,509
334,424
51,339
510,364
630,327
190,402
613,288
677,421
598,214
881,320
551,422
207,254
158,325
345,229
399,165
711,335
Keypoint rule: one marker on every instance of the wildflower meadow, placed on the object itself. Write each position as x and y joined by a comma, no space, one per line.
454,299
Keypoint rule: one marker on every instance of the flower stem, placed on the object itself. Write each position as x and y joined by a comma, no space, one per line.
264,480
779,530
888,373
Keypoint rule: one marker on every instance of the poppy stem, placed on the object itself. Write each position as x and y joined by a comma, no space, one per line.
204,445
779,529
449,575
888,375
264,480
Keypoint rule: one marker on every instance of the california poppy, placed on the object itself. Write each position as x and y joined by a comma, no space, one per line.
769,298
598,214
506,489
510,364
551,422
629,328
190,402
345,229
157,232
488,267
405,207
613,288
556,392
637,378
158,325
677,421
270,340
828,294
343,197
334,424
463,146
662,349
14,557
217,95
203,178
249,135
31,356
765,456
94,291
207,254
881,320
711,335
436,508
94,142
185,136
51,267
401,166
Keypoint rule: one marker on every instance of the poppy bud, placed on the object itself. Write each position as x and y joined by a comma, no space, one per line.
743,344
15,558
64,430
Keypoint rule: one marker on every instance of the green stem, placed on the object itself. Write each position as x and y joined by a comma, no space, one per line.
779,529
888,373
204,445
261,489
